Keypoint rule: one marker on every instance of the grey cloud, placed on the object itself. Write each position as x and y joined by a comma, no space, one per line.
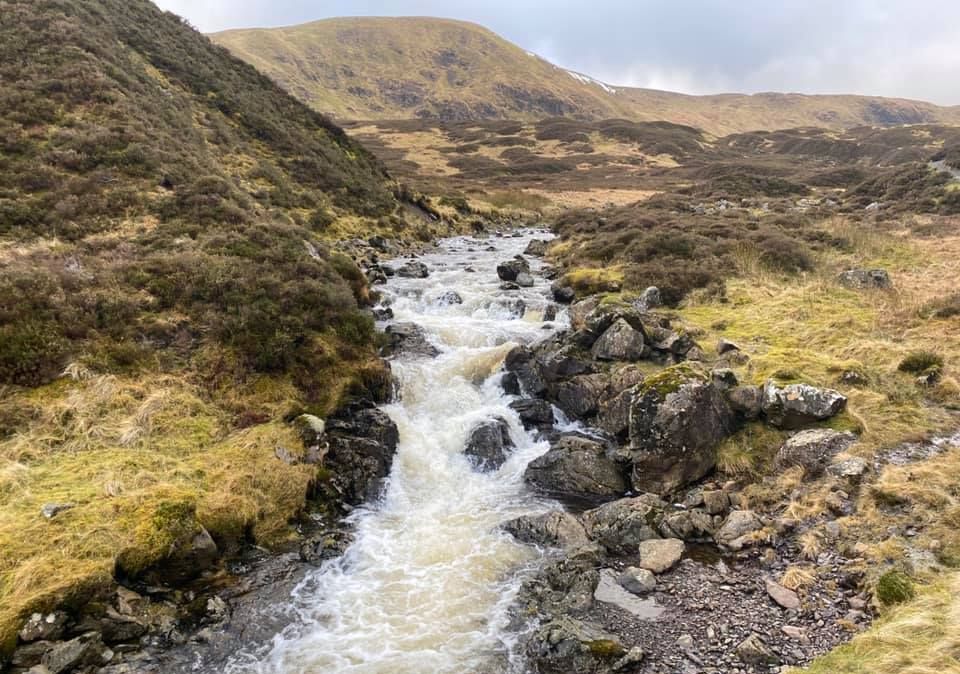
883,47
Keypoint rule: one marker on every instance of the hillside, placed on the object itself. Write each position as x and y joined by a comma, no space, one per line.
166,293
410,67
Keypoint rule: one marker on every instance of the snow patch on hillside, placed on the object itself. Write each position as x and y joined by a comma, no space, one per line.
589,80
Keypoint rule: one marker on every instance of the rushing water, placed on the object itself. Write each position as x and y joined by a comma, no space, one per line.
426,585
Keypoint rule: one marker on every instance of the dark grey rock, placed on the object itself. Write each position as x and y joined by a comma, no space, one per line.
577,468
562,294
511,269
533,413
620,342
408,339
746,401
413,269
489,444
812,449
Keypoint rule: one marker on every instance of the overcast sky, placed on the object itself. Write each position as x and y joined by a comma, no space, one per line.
900,48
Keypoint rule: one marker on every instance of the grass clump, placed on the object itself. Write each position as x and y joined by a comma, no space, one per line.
919,362
894,587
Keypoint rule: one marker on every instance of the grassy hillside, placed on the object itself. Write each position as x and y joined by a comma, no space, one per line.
415,67
166,294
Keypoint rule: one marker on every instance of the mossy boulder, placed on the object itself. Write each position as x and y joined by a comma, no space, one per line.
568,646
678,418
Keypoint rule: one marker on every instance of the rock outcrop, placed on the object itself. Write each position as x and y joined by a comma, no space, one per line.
798,405
577,468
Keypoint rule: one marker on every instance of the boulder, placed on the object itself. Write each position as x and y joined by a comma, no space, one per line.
536,247
620,342
677,419
687,525
524,280
658,555
715,501
522,362
726,346
550,313
621,525
413,269
613,415
511,269
51,510
568,646
556,528
325,545
533,413
489,444
671,342
580,396
577,468
408,339
562,294
649,299
724,378
860,279
812,449
637,580
448,298
738,525
747,401
510,383
382,313
797,405
362,444
44,627
565,586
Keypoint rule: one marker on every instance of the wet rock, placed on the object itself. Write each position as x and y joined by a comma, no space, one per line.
555,529
509,286
738,525
753,651
376,275
630,661
812,449
413,269
522,362
44,627
726,346
568,646
536,247
382,313
562,294
510,383
620,342
649,299
524,280
51,510
329,544
408,339
580,396
747,401
563,587
677,419
489,444
637,580
362,444
449,298
797,405
660,554
550,313
577,468
786,598
860,279
511,269
620,526
533,413
515,308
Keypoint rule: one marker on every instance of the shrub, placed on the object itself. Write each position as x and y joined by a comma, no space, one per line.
31,353
945,307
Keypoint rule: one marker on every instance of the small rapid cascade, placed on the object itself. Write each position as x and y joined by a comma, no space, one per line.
427,583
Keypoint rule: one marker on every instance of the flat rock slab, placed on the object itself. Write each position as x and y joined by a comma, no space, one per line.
610,591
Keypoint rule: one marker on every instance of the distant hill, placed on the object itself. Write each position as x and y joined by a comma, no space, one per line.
409,67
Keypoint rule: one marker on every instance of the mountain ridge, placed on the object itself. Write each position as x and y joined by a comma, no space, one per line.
422,67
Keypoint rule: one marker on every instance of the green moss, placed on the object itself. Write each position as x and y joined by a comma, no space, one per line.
671,379
921,362
605,649
894,587
157,535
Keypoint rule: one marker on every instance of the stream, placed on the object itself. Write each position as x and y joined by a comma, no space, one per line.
428,581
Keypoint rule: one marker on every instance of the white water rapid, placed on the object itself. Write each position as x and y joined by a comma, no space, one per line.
425,587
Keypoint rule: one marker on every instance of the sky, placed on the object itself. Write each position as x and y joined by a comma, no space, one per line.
903,48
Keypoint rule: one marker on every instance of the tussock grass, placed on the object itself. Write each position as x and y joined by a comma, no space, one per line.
920,637
124,451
